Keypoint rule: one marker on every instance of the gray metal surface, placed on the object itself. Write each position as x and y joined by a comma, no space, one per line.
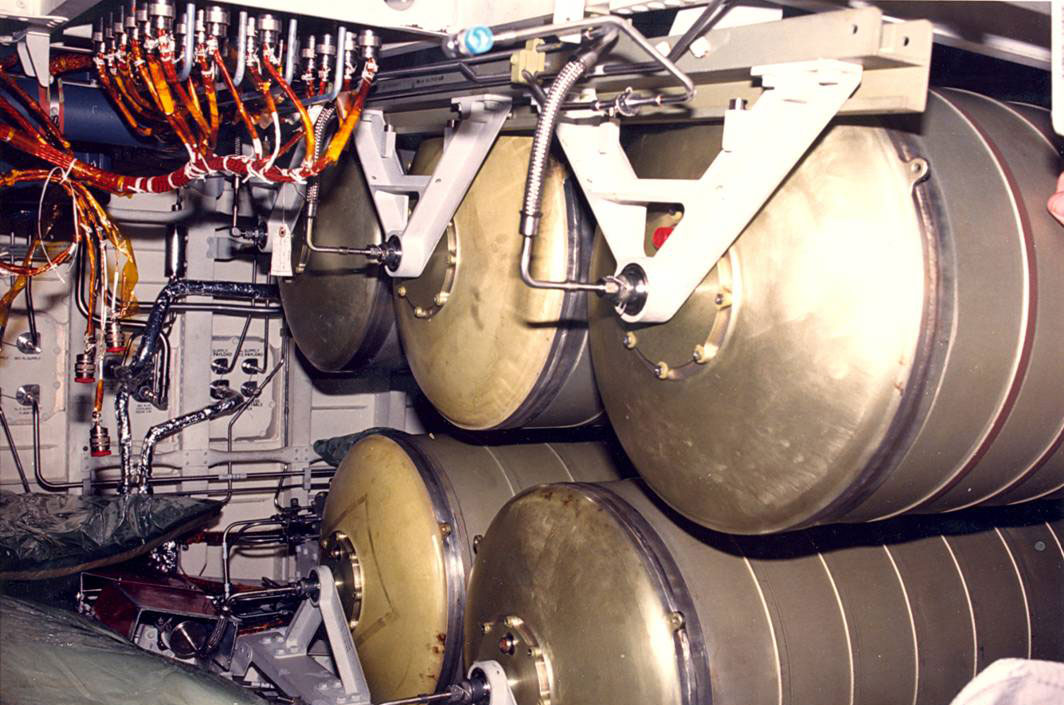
902,612
281,655
414,508
899,358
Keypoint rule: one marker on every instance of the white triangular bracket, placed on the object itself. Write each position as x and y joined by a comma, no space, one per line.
439,195
281,655
760,147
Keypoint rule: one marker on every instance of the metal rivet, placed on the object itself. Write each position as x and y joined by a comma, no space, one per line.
440,299
445,529
676,619
400,291
629,340
420,312
662,370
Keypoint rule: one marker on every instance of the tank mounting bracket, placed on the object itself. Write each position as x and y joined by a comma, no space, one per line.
439,195
761,145
281,654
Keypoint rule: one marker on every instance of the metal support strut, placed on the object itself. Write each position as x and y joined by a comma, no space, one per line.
410,238
281,654
756,156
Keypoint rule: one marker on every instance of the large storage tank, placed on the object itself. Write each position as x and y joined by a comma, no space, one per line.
884,337
487,351
592,594
337,306
402,521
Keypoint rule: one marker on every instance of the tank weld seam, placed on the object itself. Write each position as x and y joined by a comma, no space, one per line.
1056,538
502,470
912,624
768,619
845,624
1020,368
1033,469
971,608
565,466
1023,587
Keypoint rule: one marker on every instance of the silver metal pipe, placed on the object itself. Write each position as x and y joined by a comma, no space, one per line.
189,48
14,452
226,405
241,47
247,403
338,72
603,288
38,473
227,586
290,49
515,36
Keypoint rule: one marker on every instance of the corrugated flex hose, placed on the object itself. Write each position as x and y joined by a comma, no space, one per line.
573,70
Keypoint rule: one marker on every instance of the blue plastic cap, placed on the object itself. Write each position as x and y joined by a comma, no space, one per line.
478,40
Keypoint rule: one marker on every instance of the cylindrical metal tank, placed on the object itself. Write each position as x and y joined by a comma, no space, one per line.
487,351
884,337
593,594
338,307
403,519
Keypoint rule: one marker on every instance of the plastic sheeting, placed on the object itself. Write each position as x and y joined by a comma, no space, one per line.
50,656
51,535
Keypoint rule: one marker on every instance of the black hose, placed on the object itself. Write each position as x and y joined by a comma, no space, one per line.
31,313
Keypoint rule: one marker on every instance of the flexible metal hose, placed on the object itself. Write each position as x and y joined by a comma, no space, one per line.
548,120
131,378
138,482
320,126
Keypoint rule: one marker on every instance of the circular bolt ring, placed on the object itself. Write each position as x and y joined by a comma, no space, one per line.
339,554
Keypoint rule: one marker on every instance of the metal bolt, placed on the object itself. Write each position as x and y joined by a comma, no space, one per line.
629,340
441,298
722,299
508,644
28,344
676,619
445,529
662,370
400,291
704,353
420,312
452,259
485,627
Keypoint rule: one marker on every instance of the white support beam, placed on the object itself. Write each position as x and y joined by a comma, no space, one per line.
761,146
